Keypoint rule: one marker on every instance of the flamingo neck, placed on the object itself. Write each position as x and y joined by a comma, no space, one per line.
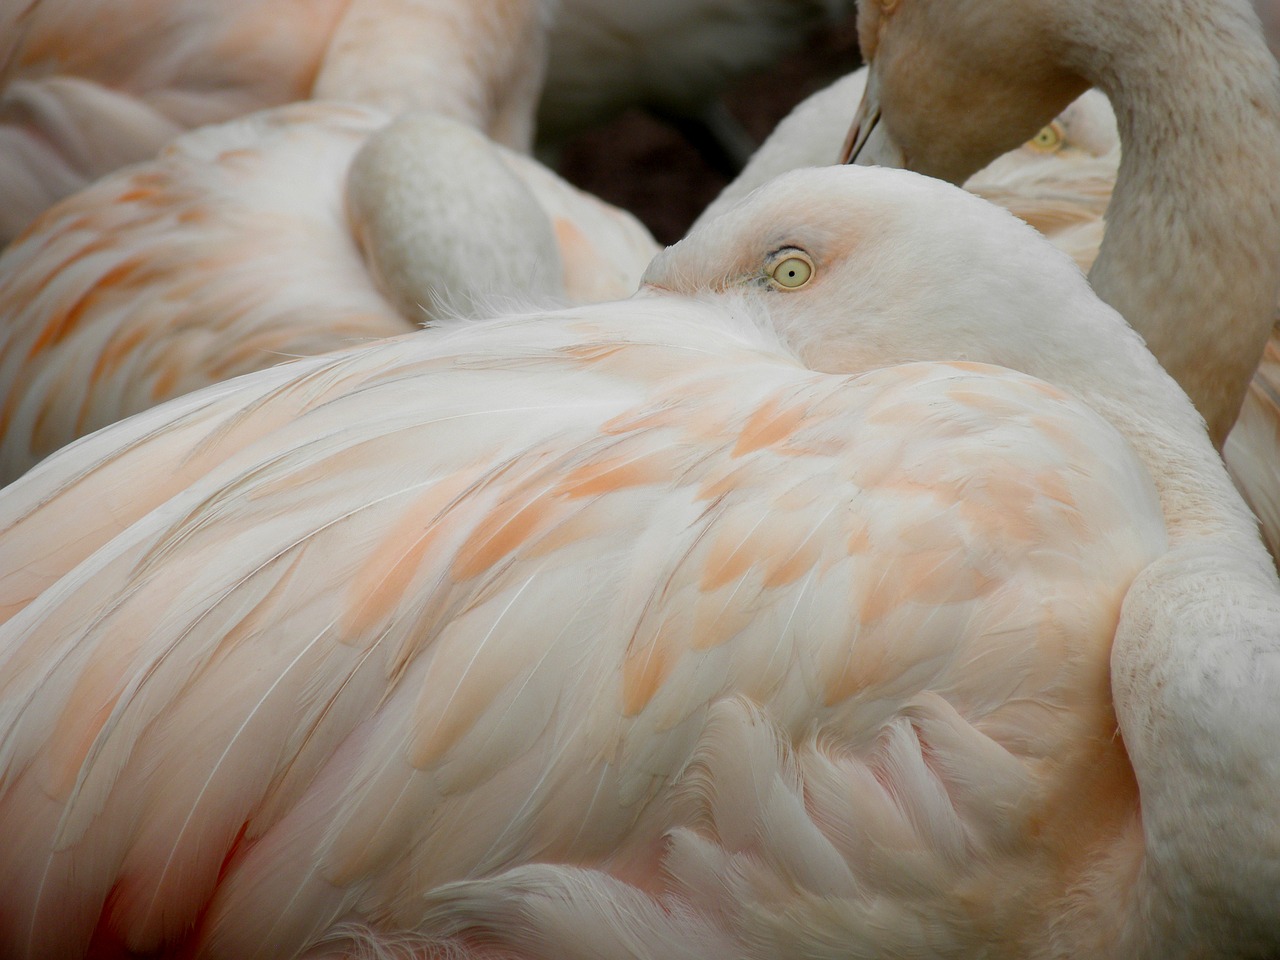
1195,665
1193,230
445,227
480,63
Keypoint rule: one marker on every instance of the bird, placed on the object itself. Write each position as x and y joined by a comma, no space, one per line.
285,233
674,57
1229,137
1059,181
88,86
1195,211
838,593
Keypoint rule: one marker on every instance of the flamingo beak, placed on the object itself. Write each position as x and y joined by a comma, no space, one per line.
868,142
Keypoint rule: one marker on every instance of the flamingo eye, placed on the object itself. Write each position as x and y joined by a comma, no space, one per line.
791,272
1048,139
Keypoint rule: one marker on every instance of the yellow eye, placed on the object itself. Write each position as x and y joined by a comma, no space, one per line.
1048,139
792,272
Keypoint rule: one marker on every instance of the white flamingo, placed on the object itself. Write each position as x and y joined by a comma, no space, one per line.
738,619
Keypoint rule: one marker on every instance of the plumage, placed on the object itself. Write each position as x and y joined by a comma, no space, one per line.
725,621
91,85
258,241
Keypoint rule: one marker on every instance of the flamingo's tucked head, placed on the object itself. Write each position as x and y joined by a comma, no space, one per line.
858,267
932,62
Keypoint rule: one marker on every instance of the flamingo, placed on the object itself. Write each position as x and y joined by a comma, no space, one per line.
1178,263
286,233
1059,181
741,618
1190,221
91,85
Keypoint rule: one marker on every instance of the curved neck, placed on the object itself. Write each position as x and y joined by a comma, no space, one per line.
1192,245
444,226
478,61
1195,666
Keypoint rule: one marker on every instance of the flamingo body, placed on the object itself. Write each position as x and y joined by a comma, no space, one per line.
714,622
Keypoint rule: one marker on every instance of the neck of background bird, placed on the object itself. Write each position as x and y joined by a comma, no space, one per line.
480,61
1192,246
1195,669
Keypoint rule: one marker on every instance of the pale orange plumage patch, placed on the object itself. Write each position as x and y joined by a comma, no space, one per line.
63,323
241,158
592,352
632,422
867,665
720,486
116,351
791,568
728,560
644,671
859,541
162,387
76,731
897,583
718,618
141,194
574,528
1008,506
381,583
508,525
617,473
1067,441
574,246
971,366
771,423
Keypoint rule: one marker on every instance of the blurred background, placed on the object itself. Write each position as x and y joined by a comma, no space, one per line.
644,165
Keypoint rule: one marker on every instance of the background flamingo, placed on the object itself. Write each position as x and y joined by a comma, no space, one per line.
90,85
1059,181
244,245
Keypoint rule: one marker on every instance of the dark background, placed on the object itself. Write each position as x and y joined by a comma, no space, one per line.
639,163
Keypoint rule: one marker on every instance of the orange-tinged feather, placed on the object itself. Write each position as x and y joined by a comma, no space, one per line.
508,525
614,474
770,424
647,665
392,566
